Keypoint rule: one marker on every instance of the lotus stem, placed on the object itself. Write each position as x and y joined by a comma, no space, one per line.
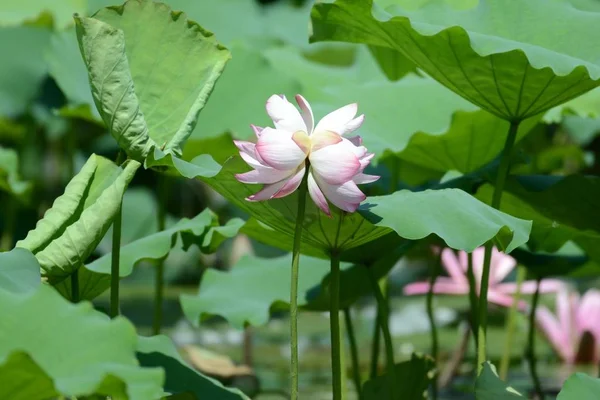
353,352
334,320
387,337
376,341
294,284
159,280
531,343
472,296
115,264
485,275
75,286
430,314
510,325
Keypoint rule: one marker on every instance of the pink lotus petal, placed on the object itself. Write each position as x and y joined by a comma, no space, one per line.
278,150
337,120
557,335
285,116
361,178
501,266
365,160
334,164
263,175
504,300
317,195
291,185
257,130
245,147
588,314
355,140
346,196
452,266
268,191
529,287
323,139
302,140
441,286
307,114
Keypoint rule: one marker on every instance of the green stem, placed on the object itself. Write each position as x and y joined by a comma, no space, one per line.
485,275
353,351
334,318
10,220
115,264
531,343
387,337
434,335
159,280
472,295
294,284
510,325
376,341
75,286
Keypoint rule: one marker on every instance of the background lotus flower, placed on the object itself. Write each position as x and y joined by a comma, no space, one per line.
498,292
575,330
279,157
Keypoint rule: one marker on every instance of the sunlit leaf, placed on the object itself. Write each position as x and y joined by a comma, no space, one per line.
489,386
411,380
74,225
515,66
19,271
201,166
159,351
278,218
202,231
393,63
459,219
580,386
44,326
149,80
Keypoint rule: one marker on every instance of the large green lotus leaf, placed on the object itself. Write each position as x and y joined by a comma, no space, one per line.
505,56
411,380
393,63
253,299
151,71
159,351
72,228
68,70
16,12
10,180
580,386
395,111
561,208
22,69
489,386
278,216
202,230
243,90
42,326
568,260
459,219
586,105
473,140
19,271
201,166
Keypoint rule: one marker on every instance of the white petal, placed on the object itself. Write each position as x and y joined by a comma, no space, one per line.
346,196
361,178
307,114
335,164
317,195
277,149
263,175
341,121
291,185
284,115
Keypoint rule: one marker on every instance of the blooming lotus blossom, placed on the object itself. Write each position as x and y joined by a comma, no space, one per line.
498,292
575,330
280,155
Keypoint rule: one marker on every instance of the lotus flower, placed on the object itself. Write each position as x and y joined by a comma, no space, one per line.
280,156
575,331
498,292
